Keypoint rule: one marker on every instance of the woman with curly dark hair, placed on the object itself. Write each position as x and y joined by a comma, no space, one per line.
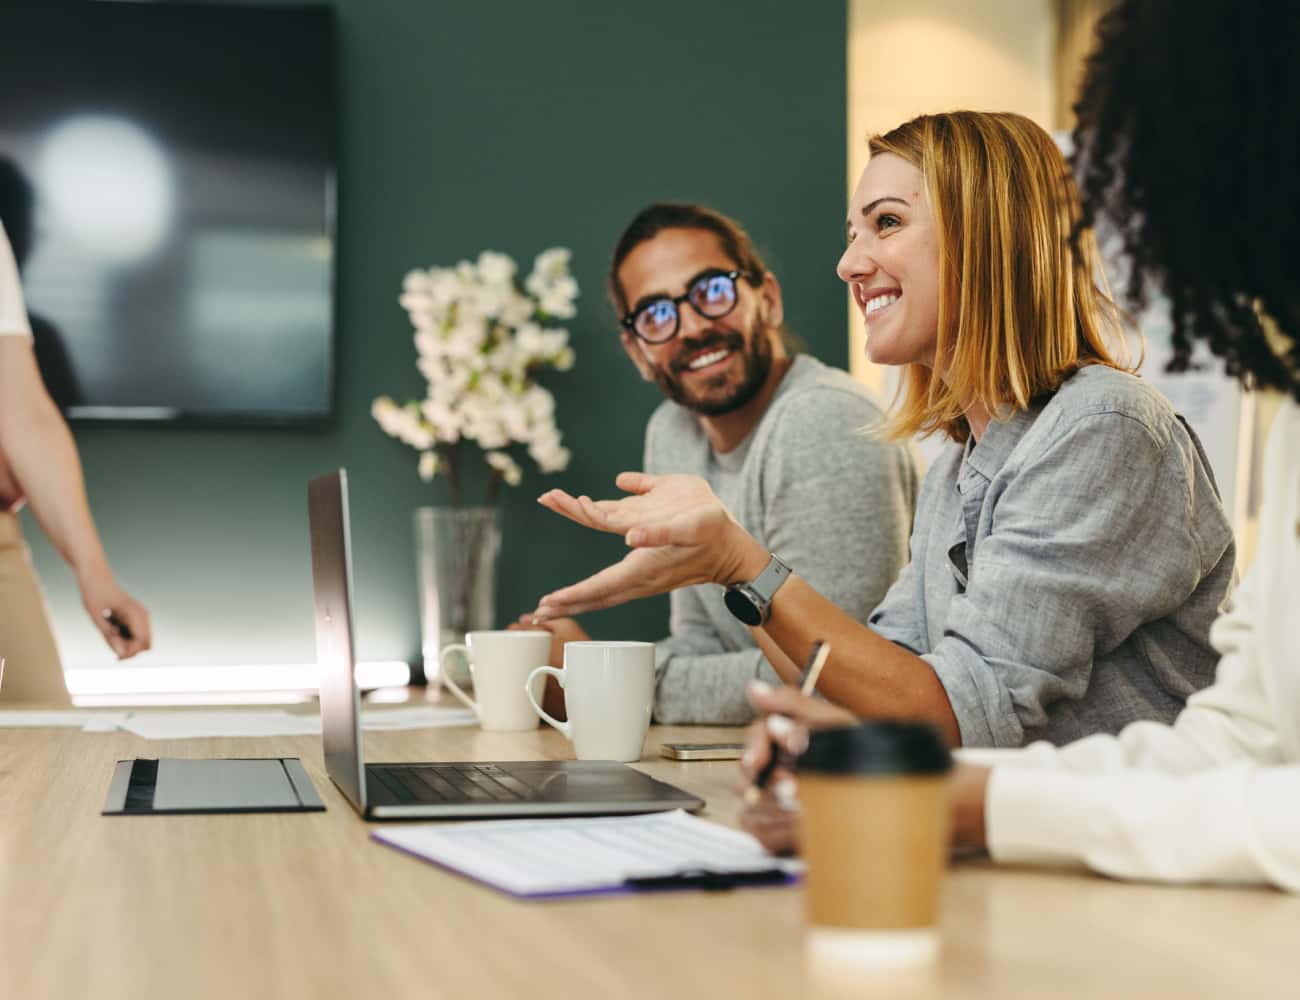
1188,143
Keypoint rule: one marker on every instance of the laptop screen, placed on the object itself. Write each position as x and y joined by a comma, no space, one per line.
331,565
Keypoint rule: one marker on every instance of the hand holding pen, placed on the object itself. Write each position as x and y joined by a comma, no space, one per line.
780,726
774,743
121,620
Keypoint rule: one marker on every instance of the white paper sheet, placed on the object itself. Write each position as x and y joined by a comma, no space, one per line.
416,717
550,857
162,724
67,719
104,722
171,725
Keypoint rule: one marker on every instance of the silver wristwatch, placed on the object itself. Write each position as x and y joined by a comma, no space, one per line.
752,602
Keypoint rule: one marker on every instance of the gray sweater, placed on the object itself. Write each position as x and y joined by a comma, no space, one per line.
831,501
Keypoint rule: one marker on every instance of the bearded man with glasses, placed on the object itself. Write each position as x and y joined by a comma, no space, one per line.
778,436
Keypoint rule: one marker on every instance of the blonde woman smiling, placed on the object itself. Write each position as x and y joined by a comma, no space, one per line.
1069,551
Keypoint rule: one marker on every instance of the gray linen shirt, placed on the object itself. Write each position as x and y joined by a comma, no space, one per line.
834,504
1066,569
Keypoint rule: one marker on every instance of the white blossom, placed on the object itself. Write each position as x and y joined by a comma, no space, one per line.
496,268
445,420
465,339
549,455
444,286
550,265
538,404
479,341
557,299
514,420
402,422
507,466
517,310
416,281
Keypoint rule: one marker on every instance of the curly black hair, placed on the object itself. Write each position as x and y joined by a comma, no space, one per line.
1188,144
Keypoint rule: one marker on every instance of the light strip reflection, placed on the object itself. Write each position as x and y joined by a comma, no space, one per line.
245,679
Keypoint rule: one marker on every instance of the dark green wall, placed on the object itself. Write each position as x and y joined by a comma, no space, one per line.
464,126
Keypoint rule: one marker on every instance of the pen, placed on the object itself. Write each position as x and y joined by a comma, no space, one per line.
119,626
710,880
816,660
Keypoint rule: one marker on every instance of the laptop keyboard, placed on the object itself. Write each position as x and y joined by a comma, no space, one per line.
450,783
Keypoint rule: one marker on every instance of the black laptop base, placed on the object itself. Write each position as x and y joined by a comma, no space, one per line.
516,788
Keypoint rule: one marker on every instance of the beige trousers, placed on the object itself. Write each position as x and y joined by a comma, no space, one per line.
33,672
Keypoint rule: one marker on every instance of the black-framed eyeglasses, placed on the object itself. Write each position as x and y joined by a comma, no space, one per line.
712,295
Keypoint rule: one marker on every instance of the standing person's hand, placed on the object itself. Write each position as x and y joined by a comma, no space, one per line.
680,534
786,718
101,595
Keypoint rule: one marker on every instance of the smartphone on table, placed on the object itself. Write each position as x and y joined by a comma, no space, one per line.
702,751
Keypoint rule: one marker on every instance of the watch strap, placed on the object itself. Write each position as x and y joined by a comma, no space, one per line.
769,581
751,602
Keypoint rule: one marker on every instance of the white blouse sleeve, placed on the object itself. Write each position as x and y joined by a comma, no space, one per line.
13,313
1236,824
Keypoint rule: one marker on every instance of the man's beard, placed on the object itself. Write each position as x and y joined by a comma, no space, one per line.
757,366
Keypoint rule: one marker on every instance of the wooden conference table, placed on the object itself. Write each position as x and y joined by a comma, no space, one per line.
305,905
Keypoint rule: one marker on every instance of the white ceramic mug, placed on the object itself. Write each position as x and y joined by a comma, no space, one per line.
500,663
609,689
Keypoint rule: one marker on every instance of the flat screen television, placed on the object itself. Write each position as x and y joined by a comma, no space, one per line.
167,178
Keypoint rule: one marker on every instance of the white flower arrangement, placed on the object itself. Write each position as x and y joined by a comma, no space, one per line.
480,342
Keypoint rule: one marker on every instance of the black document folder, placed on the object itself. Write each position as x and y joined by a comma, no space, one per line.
233,785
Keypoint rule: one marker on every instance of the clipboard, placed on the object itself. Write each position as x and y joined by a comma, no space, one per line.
171,785
539,859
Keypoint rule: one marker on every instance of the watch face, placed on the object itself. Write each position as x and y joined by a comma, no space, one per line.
740,605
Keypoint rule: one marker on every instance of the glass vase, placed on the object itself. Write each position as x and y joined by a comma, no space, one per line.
456,562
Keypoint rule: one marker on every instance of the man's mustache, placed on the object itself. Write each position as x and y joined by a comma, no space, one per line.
712,340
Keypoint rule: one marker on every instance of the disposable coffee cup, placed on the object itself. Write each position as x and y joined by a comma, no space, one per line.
874,833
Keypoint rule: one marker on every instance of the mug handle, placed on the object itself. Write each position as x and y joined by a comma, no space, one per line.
446,677
563,727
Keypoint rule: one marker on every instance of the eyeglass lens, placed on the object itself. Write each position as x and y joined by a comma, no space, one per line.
712,296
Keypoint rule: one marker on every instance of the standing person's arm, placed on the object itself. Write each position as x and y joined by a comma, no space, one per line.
42,456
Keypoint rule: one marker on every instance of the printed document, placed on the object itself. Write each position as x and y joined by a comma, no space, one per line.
564,857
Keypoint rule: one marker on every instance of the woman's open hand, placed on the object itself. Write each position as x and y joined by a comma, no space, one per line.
680,534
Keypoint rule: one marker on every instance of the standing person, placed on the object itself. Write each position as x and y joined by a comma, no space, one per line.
1069,551
39,464
777,437
1215,797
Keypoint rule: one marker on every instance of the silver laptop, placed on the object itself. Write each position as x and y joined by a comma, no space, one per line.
441,790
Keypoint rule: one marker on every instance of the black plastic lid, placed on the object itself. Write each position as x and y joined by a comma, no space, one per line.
877,748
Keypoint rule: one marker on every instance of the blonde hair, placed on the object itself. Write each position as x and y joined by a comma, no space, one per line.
1020,309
